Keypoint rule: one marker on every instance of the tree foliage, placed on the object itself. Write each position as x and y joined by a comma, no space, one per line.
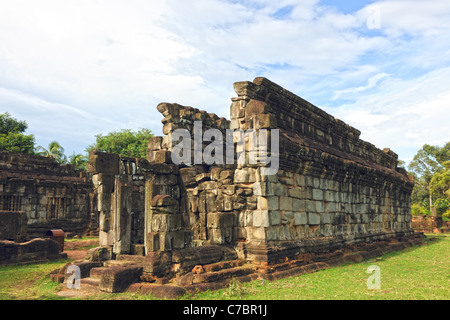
431,168
440,182
79,161
12,137
54,151
126,143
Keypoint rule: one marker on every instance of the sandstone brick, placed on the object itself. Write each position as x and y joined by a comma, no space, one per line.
261,218
279,189
263,189
296,192
274,217
256,107
287,217
317,194
220,220
313,218
300,218
285,203
245,175
298,205
264,121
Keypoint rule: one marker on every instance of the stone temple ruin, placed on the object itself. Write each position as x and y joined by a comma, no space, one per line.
170,228
38,195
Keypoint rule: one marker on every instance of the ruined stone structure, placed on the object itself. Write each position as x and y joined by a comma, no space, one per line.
53,196
331,194
430,224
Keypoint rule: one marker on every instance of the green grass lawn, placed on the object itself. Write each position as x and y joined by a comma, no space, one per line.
29,281
421,272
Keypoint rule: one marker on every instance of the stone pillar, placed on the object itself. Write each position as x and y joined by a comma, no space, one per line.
121,216
104,167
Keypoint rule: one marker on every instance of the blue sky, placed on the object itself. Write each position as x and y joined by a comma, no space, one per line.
76,68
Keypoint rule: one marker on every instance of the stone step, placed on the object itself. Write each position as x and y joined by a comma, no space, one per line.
117,278
89,284
119,263
139,259
222,275
280,266
223,265
97,273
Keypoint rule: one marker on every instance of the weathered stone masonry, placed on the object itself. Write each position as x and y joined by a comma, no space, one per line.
332,189
52,196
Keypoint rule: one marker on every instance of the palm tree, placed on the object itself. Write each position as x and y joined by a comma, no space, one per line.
78,160
54,151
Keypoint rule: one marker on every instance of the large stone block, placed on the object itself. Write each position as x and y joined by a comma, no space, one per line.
274,217
300,218
190,257
317,194
261,218
157,262
13,225
220,236
298,205
245,175
188,176
268,203
264,121
313,218
263,189
256,107
166,222
102,253
286,203
296,192
102,162
220,220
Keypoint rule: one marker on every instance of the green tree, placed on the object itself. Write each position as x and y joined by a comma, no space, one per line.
427,165
440,189
54,151
125,142
12,137
443,154
79,161
440,182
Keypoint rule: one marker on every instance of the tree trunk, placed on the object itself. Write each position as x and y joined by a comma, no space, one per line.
432,208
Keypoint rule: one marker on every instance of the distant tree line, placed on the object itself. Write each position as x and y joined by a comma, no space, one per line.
431,169
125,142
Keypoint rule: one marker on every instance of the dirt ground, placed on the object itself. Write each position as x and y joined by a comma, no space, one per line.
76,250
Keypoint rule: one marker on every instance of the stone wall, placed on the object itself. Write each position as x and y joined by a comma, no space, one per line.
13,225
137,201
330,184
53,196
331,189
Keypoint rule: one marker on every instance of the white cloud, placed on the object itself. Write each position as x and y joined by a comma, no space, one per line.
402,114
371,83
411,17
96,66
